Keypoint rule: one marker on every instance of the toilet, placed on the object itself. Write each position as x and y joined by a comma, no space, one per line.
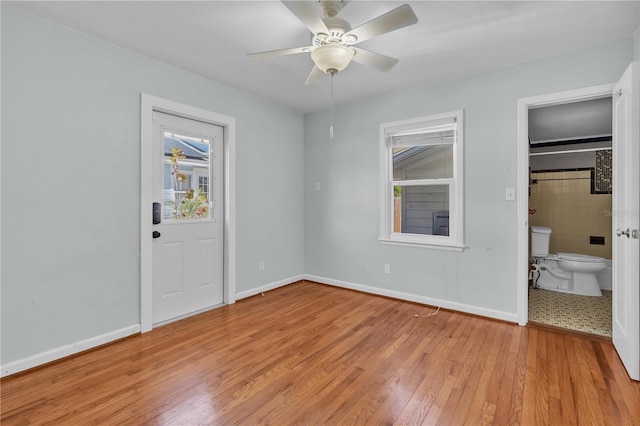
564,272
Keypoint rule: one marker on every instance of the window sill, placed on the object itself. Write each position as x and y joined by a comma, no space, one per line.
423,244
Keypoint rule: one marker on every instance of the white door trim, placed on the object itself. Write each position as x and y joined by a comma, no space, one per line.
148,105
522,266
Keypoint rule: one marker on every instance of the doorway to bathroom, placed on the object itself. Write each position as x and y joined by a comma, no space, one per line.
625,95
570,196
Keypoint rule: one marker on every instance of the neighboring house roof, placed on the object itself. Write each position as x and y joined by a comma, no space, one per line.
192,150
408,152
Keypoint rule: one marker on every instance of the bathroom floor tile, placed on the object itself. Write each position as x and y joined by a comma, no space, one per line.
581,313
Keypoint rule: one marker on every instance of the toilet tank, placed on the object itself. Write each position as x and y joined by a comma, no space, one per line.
540,236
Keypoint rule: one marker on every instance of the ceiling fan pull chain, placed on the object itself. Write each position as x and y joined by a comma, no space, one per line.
331,110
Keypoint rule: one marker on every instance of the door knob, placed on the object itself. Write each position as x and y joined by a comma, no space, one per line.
156,234
620,232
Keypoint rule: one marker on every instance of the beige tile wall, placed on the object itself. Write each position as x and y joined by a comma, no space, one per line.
565,204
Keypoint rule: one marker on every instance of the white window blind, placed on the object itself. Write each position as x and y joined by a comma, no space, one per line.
436,132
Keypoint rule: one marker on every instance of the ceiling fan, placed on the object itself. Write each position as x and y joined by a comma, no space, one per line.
333,42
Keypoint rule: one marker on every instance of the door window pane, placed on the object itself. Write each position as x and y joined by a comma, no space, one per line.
186,177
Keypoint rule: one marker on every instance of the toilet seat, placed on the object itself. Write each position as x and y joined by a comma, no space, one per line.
580,258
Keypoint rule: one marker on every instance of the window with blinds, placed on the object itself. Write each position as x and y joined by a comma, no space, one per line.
421,182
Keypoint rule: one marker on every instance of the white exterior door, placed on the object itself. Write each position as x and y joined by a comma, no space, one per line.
188,231
625,217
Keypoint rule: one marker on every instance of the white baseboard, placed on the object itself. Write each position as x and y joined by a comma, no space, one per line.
67,350
74,348
77,347
470,309
267,287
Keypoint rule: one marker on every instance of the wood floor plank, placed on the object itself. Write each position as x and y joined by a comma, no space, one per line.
565,394
485,399
542,382
585,389
473,387
529,404
435,367
490,395
509,393
309,353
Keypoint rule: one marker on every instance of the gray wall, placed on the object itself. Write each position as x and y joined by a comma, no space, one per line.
70,182
636,44
341,221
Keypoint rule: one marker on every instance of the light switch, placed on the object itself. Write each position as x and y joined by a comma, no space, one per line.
510,194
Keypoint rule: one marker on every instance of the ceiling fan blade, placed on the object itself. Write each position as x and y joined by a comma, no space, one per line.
280,52
316,75
399,17
374,60
306,12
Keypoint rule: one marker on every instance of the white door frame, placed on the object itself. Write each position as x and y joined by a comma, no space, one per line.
148,105
524,104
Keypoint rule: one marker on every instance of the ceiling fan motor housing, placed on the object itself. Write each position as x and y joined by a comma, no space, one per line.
337,27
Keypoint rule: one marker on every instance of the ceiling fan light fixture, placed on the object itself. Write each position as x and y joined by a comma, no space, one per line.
332,58
333,40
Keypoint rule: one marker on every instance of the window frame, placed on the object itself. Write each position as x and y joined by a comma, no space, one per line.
455,239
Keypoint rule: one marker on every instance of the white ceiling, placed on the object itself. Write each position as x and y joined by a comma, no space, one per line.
451,39
571,121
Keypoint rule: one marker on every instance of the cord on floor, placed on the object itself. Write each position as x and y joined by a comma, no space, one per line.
428,315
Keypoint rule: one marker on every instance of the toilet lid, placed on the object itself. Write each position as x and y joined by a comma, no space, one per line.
581,257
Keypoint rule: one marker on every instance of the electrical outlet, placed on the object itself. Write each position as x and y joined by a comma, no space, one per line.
317,186
387,268
261,266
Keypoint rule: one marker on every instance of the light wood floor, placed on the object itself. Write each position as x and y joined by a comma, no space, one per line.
313,354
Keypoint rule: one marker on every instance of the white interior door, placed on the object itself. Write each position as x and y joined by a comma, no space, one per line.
188,221
626,208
